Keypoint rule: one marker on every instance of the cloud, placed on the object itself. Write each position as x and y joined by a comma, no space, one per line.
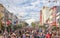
30,21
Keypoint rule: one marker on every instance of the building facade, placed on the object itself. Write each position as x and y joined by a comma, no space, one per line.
49,15
44,15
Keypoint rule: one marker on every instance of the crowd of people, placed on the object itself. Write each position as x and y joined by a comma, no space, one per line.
32,33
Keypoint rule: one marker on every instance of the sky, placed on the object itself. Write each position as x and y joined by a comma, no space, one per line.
29,10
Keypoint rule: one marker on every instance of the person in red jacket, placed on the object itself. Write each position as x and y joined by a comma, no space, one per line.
48,35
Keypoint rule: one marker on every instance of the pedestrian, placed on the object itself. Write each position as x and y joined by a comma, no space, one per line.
53,35
13,35
41,35
36,36
23,36
5,34
48,35
31,35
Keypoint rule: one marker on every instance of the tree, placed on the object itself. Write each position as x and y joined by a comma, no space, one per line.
33,24
19,26
59,22
26,24
54,28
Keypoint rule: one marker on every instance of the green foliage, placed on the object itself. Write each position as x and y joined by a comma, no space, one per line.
26,24
54,27
2,28
15,27
33,24
9,27
42,26
19,26
59,23
0,24
10,19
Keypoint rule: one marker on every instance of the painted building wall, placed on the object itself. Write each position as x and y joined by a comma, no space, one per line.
49,15
45,14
